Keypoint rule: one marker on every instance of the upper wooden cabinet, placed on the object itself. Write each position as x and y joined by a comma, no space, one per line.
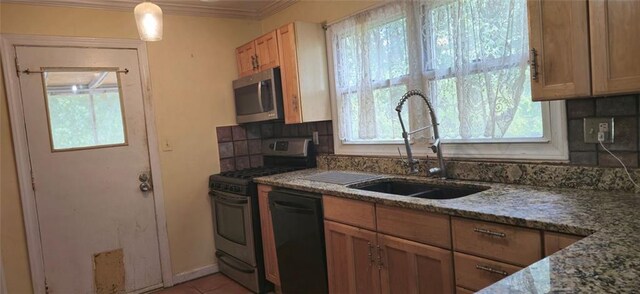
559,57
615,43
267,51
246,58
579,51
300,50
258,55
303,66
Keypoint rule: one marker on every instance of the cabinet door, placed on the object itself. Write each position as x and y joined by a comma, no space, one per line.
410,267
615,43
554,242
351,264
559,41
268,240
267,51
289,72
245,57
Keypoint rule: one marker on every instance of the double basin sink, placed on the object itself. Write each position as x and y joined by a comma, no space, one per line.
419,190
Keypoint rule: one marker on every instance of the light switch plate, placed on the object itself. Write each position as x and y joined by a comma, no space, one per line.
166,145
595,125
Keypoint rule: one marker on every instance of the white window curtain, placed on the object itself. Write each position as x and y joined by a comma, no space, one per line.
469,56
476,66
375,61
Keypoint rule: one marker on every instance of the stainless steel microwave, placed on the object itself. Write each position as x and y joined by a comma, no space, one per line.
258,97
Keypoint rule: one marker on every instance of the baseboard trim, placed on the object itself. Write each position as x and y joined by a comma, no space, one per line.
196,273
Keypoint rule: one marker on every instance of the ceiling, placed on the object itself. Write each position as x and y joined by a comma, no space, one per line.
248,9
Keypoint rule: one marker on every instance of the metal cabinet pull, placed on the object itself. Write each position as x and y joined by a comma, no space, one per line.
253,62
491,270
380,264
489,232
257,62
533,62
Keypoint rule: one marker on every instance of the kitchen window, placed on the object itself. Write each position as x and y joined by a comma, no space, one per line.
468,56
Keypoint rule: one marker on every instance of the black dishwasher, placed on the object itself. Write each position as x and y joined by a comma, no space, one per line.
299,236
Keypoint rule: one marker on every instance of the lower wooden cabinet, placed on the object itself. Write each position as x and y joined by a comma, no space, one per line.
368,248
554,242
505,243
351,263
363,261
460,290
268,239
410,267
475,273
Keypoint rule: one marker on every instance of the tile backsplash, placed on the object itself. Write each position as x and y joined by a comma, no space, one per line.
240,146
625,110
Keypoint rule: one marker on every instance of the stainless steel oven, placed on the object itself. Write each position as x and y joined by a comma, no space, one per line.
236,217
233,225
258,97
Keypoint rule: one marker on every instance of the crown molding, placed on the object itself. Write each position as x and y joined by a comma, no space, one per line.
169,7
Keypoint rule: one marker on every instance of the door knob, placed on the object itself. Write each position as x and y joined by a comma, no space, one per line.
145,187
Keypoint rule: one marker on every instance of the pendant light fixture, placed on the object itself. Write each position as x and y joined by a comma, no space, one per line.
149,21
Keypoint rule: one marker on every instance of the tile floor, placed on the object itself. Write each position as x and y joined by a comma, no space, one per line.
213,284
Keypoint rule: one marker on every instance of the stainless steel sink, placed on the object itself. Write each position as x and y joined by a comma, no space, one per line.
419,190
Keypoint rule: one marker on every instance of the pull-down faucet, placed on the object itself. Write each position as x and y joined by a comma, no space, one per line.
435,147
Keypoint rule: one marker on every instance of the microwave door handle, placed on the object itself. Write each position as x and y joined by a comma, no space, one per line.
260,96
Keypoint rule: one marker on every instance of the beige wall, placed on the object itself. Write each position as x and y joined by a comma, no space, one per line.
316,11
191,74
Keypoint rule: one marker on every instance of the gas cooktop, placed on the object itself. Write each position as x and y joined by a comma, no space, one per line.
251,173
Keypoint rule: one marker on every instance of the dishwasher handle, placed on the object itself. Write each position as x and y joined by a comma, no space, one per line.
291,207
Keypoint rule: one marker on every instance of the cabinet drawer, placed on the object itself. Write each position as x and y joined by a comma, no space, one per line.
554,242
424,227
515,245
475,273
352,212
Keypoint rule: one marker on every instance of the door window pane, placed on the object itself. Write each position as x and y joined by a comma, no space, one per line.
84,108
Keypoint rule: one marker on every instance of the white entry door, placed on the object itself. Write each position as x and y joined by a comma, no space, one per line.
87,138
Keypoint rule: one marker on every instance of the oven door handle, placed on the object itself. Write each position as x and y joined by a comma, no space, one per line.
228,200
290,207
221,257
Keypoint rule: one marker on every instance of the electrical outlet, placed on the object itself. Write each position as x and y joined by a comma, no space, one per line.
598,129
316,140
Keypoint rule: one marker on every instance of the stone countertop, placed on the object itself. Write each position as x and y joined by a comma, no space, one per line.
607,261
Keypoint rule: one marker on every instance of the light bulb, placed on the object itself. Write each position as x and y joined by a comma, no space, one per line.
149,21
